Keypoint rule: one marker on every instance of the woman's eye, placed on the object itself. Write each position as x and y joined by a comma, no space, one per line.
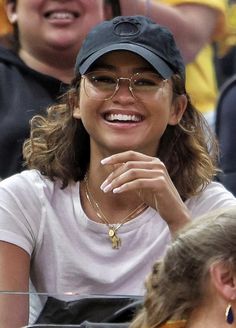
103,80
144,82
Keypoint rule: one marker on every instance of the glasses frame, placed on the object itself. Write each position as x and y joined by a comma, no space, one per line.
118,79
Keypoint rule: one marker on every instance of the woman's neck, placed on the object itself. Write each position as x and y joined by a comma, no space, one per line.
51,65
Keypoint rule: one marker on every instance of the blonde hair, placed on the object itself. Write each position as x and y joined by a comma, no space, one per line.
178,283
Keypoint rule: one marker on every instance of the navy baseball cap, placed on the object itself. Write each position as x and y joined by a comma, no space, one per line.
137,34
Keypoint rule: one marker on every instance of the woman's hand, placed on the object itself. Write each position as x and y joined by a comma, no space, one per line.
147,176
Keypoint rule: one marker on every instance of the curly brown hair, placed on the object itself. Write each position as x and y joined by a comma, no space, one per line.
178,283
59,145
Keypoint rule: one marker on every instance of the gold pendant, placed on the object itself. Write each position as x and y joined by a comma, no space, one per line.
115,240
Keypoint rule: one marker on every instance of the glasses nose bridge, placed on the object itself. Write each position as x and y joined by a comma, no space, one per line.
129,80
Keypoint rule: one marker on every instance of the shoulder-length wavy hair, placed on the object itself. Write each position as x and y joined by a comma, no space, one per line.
180,282
59,145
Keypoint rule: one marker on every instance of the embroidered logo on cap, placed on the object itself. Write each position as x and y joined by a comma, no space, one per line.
126,27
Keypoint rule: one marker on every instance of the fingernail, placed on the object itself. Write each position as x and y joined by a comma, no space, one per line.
117,190
106,188
103,185
105,160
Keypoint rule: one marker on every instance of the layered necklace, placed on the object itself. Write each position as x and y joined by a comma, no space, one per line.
112,228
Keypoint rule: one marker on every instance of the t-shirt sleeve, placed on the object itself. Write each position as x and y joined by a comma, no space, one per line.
20,210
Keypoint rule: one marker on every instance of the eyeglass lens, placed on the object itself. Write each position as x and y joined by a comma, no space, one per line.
102,85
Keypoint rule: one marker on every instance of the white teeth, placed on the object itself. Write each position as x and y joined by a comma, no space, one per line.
123,117
61,15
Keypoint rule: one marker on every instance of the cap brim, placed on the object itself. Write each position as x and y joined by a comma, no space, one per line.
157,62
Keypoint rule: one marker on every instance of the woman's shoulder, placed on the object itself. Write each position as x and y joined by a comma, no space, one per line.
32,189
217,190
214,196
27,182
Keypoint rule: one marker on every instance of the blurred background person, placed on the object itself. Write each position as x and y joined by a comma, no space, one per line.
226,49
194,286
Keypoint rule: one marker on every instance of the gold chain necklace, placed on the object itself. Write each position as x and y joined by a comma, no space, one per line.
112,229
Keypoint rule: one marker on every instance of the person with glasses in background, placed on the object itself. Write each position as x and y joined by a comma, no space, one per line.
114,170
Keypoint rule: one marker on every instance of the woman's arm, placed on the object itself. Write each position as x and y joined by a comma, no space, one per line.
14,276
193,25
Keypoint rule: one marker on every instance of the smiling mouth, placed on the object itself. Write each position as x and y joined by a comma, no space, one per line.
66,15
123,118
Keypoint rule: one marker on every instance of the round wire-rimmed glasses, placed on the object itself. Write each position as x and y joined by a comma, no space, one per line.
103,85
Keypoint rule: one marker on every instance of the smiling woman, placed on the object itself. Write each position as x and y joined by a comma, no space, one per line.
114,170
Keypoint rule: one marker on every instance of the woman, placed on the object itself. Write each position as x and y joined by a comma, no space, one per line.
195,284
115,169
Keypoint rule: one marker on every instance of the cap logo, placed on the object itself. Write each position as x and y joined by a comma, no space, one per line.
126,27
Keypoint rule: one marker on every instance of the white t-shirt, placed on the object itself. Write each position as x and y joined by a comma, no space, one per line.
70,252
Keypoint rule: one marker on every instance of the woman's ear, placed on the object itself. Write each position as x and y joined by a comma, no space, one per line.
224,280
11,12
74,103
76,112
178,108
